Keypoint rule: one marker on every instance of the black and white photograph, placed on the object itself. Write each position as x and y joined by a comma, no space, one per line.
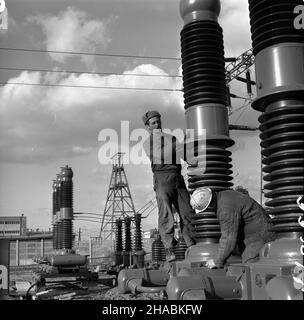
152,155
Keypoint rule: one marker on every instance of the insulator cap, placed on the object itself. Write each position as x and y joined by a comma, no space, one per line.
54,186
66,173
194,10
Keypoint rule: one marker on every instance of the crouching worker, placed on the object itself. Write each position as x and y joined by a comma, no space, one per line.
243,222
169,185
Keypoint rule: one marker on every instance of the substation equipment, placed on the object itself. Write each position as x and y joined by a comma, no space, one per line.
64,265
278,50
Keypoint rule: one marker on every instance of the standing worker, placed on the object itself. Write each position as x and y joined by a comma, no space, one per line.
242,220
169,184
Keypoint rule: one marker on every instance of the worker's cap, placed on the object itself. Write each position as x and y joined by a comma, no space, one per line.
241,190
300,202
201,198
149,115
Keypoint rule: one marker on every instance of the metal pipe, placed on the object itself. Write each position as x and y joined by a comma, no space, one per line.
135,285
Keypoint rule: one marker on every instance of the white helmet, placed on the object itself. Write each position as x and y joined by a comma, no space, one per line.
201,198
300,202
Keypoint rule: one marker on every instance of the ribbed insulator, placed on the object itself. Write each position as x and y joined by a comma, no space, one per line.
67,234
119,241
54,206
203,63
137,235
55,232
58,197
206,225
180,249
59,235
217,175
66,199
128,241
282,127
158,251
272,22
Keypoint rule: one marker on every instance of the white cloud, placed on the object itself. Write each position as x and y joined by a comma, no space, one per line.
43,123
234,19
72,31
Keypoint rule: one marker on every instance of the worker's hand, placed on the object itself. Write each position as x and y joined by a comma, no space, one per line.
211,264
193,162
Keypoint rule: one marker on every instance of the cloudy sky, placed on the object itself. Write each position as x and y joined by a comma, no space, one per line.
45,127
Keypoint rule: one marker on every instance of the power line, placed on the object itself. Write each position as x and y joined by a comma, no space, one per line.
91,54
88,87
245,105
100,54
93,73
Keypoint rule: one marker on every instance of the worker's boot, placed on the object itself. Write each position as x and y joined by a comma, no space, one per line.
170,256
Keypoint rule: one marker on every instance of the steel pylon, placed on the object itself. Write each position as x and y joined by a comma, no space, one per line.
119,203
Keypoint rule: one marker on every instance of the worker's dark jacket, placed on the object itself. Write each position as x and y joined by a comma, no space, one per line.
242,220
169,187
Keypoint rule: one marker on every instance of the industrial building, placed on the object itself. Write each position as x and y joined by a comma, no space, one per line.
11,226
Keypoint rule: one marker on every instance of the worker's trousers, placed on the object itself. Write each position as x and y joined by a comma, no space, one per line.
170,190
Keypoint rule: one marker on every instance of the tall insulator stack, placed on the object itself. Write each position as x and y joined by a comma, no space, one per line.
54,207
137,235
279,50
205,98
58,218
119,243
66,208
128,243
138,252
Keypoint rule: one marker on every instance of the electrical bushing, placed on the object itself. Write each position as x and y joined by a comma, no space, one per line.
66,208
158,250
119,243
279,50
54,206
180,249
205,98
127,253
58,218
138,252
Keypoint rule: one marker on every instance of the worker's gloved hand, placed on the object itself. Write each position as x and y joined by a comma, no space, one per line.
211,264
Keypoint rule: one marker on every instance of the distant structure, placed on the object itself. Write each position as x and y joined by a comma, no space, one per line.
119,203
11,226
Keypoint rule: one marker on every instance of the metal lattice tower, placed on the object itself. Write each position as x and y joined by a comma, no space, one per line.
119,203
